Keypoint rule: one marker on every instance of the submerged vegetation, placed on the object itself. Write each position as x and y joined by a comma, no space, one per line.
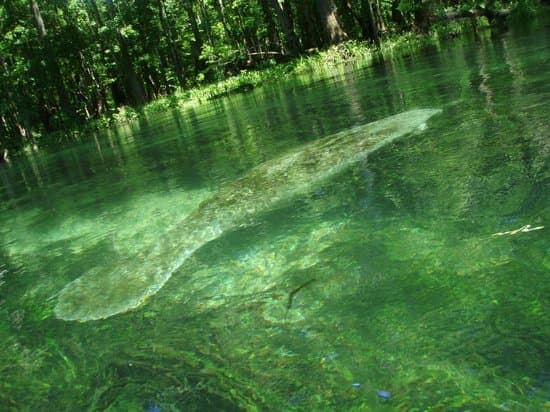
65,63
401,283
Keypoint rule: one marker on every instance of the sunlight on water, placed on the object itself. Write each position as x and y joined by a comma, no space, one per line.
119,232
108,290
414,279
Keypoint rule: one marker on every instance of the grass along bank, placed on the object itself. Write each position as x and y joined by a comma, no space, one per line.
316,65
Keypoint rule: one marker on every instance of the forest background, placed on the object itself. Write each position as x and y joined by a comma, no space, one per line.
66,62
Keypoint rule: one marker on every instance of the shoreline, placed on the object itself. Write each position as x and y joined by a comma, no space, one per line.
316,65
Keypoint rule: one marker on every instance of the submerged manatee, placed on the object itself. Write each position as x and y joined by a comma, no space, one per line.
105,292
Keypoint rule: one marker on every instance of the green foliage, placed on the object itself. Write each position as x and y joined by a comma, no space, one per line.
93,57
524,12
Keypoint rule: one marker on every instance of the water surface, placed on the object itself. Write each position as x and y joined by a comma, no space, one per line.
384,287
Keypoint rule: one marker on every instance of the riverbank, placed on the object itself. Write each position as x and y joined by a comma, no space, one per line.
315,65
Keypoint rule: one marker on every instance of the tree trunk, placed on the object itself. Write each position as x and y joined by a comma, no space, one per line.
328,17
98,99
39,21
220,8
346,15
131,84
284,16
274,43
319,23
397,16
197,44
309,24
381,24
423,17
19,124
206,21
53,70
177,64
248,37
369,25
103,103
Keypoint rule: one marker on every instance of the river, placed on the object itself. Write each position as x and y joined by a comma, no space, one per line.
413,278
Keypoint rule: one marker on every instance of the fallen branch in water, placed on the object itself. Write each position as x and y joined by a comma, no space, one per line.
296,290
523,229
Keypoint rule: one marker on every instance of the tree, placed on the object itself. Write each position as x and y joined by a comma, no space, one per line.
65,61
52,73
196,43
284,17
332,32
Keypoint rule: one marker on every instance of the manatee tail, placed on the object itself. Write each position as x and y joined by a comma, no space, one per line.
106,291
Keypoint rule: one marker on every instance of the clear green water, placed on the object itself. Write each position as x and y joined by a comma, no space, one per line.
386,276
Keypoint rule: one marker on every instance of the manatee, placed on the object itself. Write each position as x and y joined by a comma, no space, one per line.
105,291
